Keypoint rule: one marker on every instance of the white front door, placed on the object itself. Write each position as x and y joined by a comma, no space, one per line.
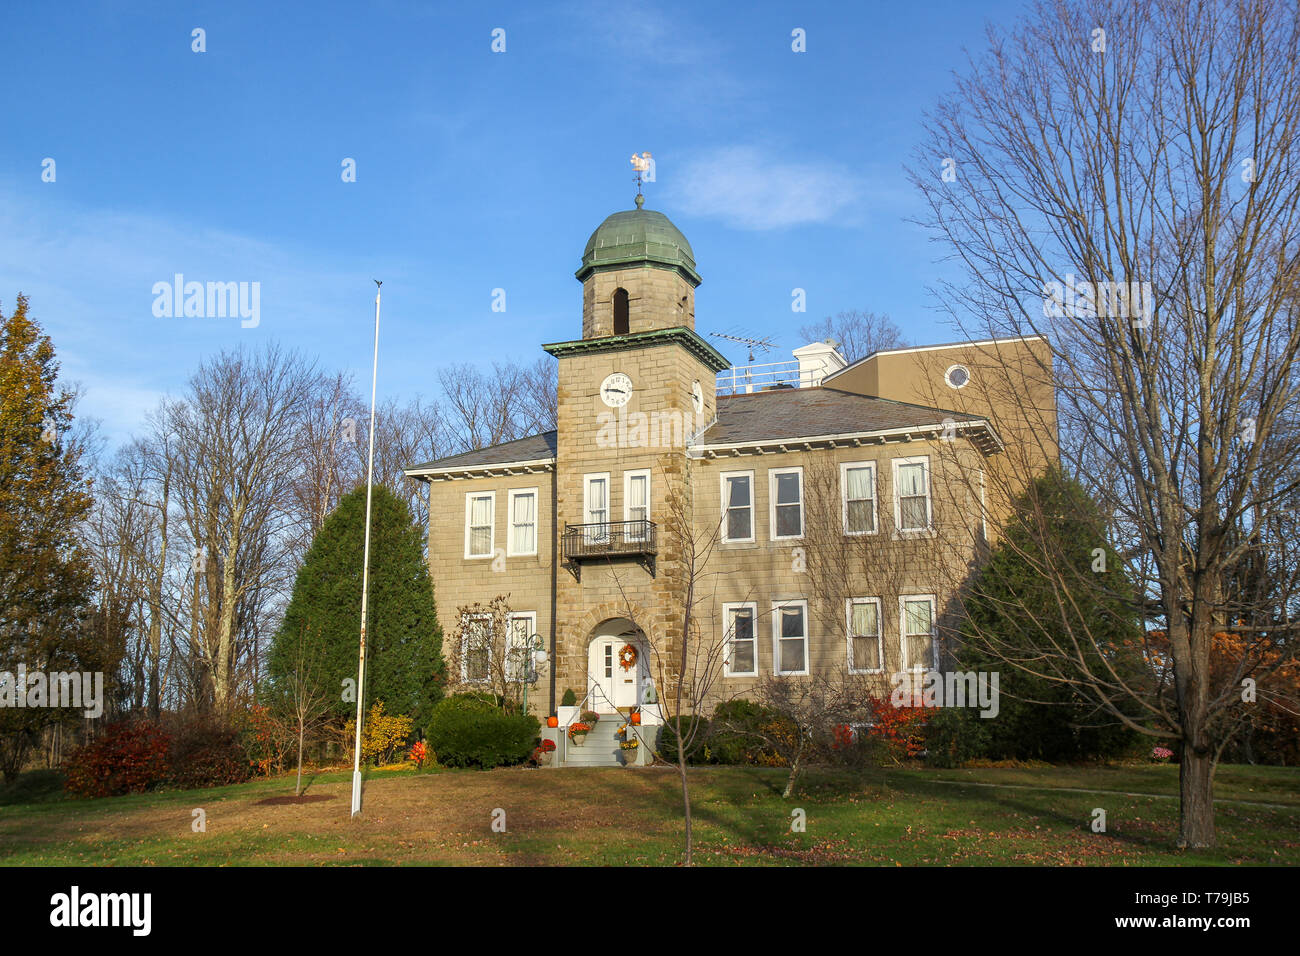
609,685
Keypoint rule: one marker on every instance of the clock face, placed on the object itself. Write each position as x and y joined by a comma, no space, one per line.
697,398
616,390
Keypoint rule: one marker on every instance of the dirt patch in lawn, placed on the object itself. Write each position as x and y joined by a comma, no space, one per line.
287,801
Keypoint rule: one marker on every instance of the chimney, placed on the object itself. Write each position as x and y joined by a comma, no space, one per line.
817,360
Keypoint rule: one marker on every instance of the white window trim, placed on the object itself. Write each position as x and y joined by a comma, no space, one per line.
464,648
492,534
627,496
903,662
880,635
727,631
511,495
777,606
722,486
586,496
772,474
924,461
531,616
844,497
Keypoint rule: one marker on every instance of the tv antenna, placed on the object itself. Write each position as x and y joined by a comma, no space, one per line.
763,344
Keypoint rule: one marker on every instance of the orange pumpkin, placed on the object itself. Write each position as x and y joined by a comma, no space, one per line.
552,721
636,718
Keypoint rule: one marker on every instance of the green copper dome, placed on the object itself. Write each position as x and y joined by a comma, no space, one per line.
638,236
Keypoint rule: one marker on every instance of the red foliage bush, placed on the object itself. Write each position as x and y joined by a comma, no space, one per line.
129,757
208,754
901,729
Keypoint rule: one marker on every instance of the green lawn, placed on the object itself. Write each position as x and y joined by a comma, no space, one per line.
616,816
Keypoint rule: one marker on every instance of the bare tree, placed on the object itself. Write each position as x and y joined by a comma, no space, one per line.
1120,180
490,650
487,408
857,332
686,664
806,714
405,434
305,702
239,425
332,420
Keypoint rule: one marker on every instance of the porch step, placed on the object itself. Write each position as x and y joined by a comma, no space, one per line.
601,748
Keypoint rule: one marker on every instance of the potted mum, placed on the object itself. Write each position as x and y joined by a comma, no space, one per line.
542,755
578,733
627,745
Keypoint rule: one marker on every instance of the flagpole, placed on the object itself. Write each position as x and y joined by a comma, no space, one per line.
365,572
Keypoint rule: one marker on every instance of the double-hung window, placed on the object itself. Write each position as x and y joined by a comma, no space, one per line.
636,504
523,522
520,628
740,621
790,637
480,512
596,503
858,485
912,493
866,650
786,495
737,506
916,622
476,648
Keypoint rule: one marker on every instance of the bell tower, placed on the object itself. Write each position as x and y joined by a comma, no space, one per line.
638,275
632,394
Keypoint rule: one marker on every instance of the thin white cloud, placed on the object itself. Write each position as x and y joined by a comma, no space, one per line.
747,190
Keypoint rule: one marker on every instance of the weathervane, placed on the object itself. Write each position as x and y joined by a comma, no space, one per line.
641,164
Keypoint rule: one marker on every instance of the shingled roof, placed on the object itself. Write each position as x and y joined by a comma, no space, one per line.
533,448
801,413
761,418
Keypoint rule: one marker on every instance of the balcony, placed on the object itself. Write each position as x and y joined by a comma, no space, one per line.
609,539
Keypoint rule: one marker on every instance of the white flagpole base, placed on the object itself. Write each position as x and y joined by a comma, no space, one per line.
356,793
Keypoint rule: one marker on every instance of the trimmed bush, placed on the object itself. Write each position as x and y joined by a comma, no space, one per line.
570,698
729,741
953,736
667,746
129,757
206,754
469,730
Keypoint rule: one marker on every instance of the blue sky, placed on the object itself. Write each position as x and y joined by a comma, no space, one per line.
475,171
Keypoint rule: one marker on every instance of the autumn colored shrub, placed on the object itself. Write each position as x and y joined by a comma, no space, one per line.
381,734
419,754
900,729
128,757
266,739
206,753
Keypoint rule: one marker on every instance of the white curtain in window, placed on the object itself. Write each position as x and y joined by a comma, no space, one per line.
524,523
917,626
910,480
858,494
866,644
480,523
911,496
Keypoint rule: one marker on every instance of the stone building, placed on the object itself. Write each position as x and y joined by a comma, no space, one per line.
820,515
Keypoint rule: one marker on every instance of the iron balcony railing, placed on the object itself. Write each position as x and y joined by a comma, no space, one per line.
608,538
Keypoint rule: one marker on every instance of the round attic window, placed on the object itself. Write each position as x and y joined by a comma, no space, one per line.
957,376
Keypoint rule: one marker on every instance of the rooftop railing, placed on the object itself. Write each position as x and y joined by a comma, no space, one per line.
744,379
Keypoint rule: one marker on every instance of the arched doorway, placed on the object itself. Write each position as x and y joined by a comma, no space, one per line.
610,686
